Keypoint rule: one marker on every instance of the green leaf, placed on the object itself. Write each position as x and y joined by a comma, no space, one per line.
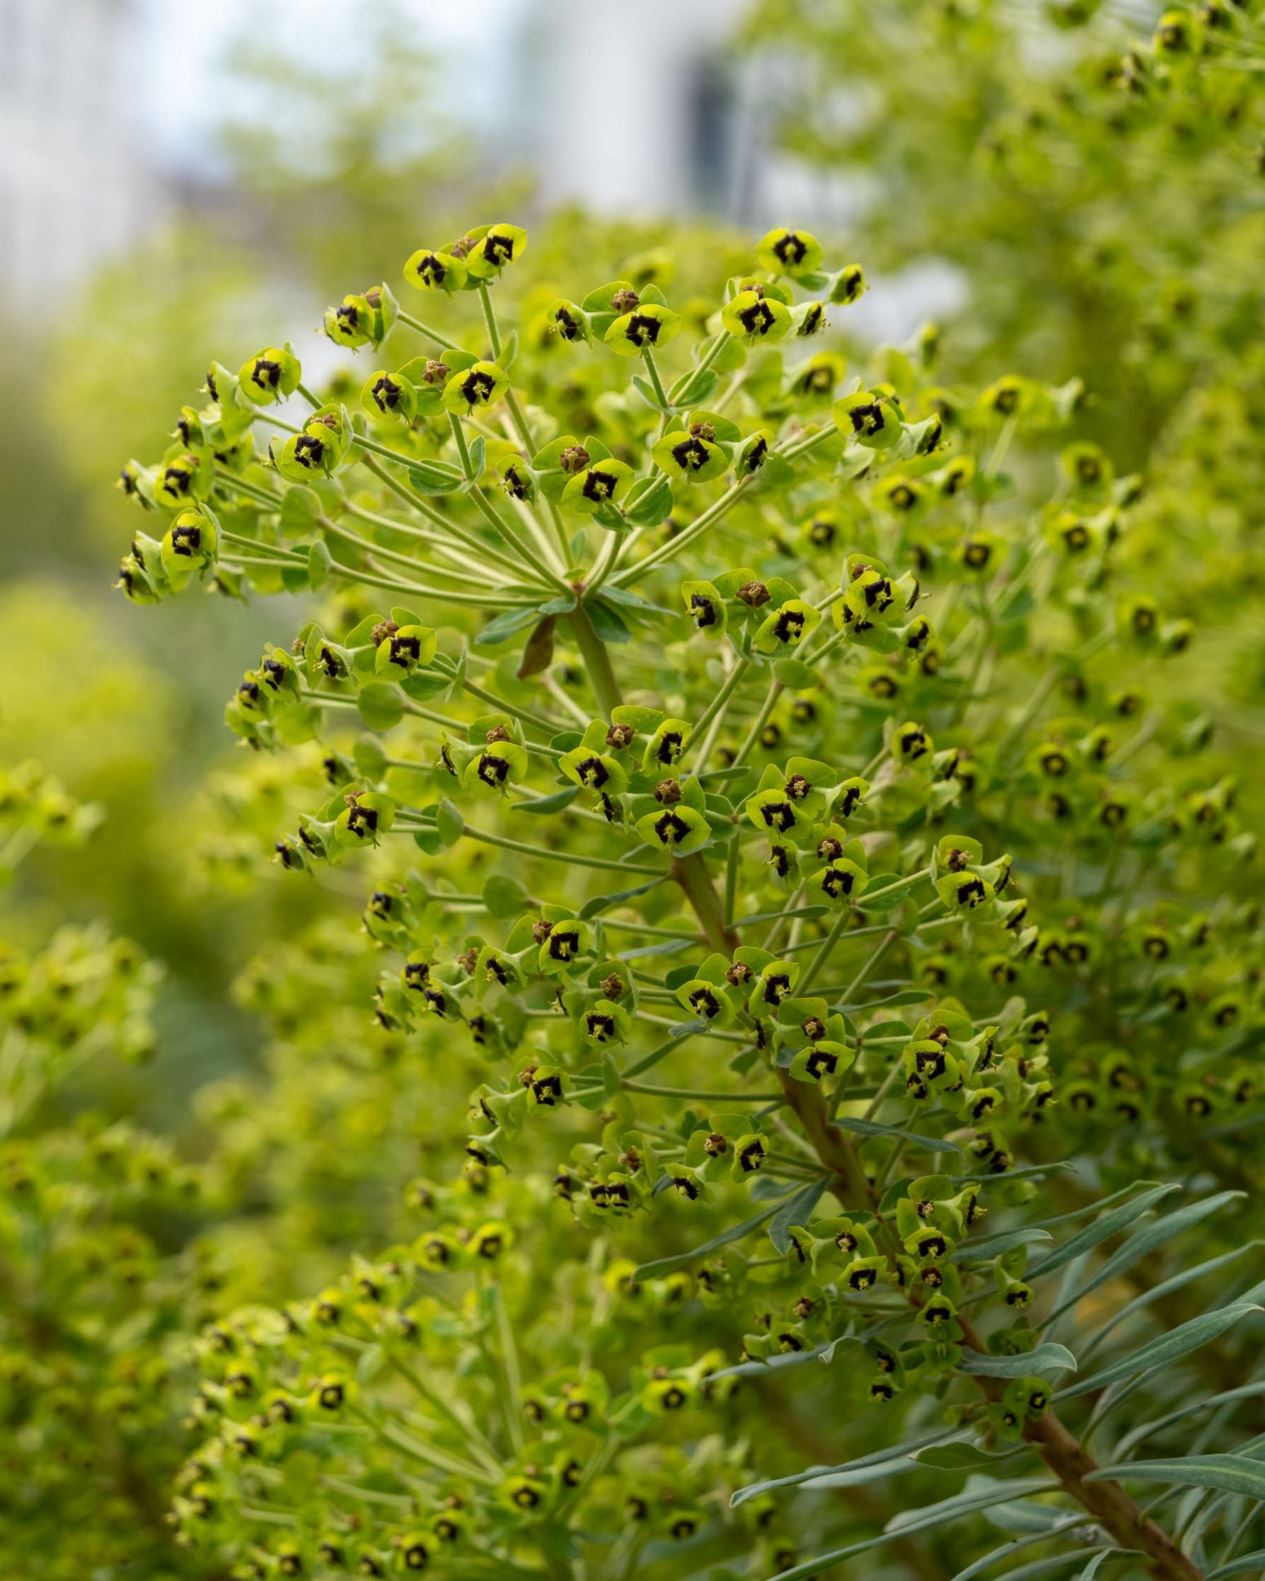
1045,1567
300,507
381,706
1225,1473
1143,1242
1042,1358
798,1210
319,561
1169,1347
1100,1230
795,674
369,1364
607,624
961,1456
879,1463
648,502
436,477
646,391
370,759
735,1232
449,822
885,893
546,804
505,625
695,387
599,903
624,595
504,896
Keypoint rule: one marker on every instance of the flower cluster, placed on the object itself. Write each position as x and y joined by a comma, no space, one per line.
769,835
35,807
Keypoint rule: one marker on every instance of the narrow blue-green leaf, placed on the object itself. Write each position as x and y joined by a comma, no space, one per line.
1100,1230
600,903
554,802
1043,1358
503,626
983,1492
1239,1566
955,1456
1099,1206
798,1210
735,1232
1059,1521
918,1521
1246,1391
1184,1277
933,1144
1144,1241
880,1459
1225,1473
1044,1567
1169,1347
990,1246
1101,1558
607,623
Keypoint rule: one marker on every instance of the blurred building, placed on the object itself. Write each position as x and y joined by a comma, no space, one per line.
650,110
630,108
76,182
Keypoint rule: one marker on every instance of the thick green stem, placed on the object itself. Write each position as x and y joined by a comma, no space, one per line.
597,661
427,330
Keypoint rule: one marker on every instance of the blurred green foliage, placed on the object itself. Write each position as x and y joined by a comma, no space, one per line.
1101,202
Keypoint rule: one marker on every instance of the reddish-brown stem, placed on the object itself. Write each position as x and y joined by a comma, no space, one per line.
1062,1452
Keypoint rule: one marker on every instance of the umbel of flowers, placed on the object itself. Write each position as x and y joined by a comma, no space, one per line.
747,753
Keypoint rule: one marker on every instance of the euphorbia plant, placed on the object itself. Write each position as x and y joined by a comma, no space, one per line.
747,758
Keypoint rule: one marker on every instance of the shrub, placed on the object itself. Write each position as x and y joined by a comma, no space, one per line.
826,939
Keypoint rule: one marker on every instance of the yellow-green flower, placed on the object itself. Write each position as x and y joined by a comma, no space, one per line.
645,328
475,387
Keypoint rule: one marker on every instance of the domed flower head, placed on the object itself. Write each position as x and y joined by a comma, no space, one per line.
849,285
603,483
361,320
428,270
270,375
789,252
183,477
318,449
756,314
487,250
189,545
644,327
566,321
696,454
475,387
389,395
868,418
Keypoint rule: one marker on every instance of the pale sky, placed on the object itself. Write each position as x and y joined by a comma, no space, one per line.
186,45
